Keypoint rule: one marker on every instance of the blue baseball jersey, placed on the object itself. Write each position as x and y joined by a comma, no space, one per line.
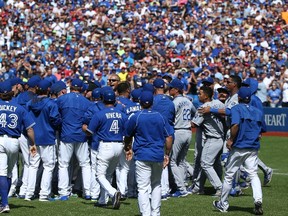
256,102
24,97
108,124
133,108
165,106
250,121
72,107
47,117
13,118
150,130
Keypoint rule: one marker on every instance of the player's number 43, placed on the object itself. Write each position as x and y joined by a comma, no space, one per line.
12,121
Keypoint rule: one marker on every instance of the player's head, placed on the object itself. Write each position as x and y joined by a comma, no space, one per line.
234,82
135,94
6,92
208,81
175,87
159,85
244,95
109,97
124,89
146,99
113,81
223,94
205,94
76,85
33,83
58,89
43,87
17,85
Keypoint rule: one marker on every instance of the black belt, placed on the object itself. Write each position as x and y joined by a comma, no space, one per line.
182,128
15,137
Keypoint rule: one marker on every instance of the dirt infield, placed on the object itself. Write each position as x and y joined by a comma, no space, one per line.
279,134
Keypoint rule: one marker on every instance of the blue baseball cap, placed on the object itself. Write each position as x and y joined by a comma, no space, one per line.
109,96
5,87
136,93
96,93
146,97
176,83
33,81
57,87
208,80
77,83
159,83
104,89
148,87
244,93
16,80
44,85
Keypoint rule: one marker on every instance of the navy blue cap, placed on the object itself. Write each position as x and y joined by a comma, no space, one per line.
136,93
208,80
109,96
96,93
5,87
77,83
223,89
84,87
148,87
33,81
176,83
244,93
16,80
159,83
146,97
44,85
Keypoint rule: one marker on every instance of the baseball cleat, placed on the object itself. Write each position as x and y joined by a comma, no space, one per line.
116,200
268,176
217,193
20,196
217,205
258,210
4,209
100,205
62,198
87,197
180,194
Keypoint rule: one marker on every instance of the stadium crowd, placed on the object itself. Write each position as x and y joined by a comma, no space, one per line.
141,40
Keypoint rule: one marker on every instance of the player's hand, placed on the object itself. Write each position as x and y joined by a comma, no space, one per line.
33,150
204,110
229,144
129,155
166,161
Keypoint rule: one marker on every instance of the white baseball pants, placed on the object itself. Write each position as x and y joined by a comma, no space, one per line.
122,170
24,146
82,153
107,160
148,177
95,186
48,155
249,159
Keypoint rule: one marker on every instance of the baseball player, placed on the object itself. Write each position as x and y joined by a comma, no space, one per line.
13,119
256,102
72,107
45,113
247,124
122,169
164,105
22,99
151,134
184,110
213,131
233,84
108,124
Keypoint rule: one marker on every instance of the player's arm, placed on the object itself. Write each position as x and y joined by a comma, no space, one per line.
168,147
33,149
128,147
207,110
235,126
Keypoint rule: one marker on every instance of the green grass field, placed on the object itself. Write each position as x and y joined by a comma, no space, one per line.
273,153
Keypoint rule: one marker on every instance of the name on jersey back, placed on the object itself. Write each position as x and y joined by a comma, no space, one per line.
113,115
8,108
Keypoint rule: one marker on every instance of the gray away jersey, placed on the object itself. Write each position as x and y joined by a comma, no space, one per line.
184,110
211,124
229,103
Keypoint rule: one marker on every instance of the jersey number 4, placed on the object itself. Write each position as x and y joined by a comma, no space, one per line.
114,127
13,120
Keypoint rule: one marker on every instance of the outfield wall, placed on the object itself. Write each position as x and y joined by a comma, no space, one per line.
276,119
